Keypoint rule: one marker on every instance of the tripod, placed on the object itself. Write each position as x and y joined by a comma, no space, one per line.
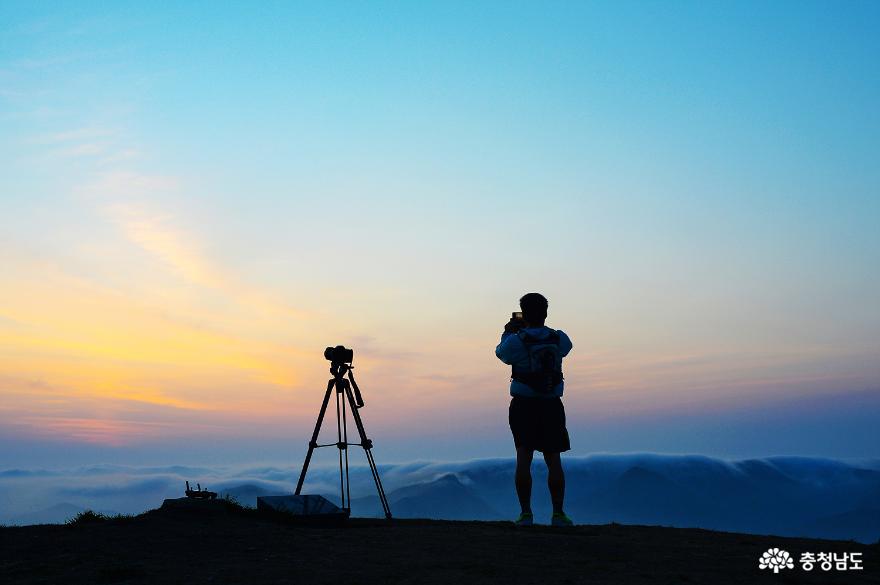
344,386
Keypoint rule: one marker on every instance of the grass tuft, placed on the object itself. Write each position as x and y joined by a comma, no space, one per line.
92,517
233,506
87,517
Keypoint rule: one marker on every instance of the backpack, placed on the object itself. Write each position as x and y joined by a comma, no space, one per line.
545,364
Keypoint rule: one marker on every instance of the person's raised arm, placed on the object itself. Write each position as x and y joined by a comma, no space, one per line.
504,351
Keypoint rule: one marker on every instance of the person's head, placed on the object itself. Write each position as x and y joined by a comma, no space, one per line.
534,308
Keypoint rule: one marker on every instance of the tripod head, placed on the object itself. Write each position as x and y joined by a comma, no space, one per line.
338,370
340,359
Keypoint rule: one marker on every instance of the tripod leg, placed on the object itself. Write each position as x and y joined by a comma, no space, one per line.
385,507
340,446
345,442
368,445
314,442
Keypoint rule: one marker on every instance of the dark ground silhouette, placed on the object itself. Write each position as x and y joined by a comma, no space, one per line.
243,547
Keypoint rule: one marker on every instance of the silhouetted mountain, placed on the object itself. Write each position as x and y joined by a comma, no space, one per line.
57,514
862,525
795,496
445,497
642,496
771,496
781,495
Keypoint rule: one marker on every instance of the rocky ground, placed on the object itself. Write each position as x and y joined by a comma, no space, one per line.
234,545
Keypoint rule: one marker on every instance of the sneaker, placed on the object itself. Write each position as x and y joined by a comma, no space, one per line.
560,519
525,519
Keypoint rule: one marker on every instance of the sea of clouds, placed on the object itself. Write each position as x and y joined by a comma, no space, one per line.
777,495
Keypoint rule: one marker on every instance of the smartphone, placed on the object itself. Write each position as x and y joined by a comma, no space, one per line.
516,316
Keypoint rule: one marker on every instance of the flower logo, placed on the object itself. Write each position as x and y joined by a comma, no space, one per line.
775,559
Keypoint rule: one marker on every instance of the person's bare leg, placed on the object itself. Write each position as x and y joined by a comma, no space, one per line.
555,480
523,478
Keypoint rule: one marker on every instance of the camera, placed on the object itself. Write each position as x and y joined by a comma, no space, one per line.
339,354
516,321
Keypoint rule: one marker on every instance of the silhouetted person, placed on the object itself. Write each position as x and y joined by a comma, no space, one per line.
536,415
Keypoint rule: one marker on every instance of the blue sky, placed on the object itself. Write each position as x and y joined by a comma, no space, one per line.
197,198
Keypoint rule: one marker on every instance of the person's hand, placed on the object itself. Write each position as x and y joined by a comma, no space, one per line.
513,326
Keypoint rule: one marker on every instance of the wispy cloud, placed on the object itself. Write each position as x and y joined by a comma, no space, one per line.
85,358
84,149
75,135
39,408
127,200
45,62
102,431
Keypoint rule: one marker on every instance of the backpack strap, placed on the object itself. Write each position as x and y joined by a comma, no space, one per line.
529,339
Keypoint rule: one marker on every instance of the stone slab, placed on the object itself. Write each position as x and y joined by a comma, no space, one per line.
303,506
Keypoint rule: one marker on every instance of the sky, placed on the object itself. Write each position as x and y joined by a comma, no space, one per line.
197,198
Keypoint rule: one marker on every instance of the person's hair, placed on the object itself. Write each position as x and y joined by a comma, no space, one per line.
534,307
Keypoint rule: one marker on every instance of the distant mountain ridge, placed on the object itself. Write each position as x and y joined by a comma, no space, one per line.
786,496
55,514
795,496
444,498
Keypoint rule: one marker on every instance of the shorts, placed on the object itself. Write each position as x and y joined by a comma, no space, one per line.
538,424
